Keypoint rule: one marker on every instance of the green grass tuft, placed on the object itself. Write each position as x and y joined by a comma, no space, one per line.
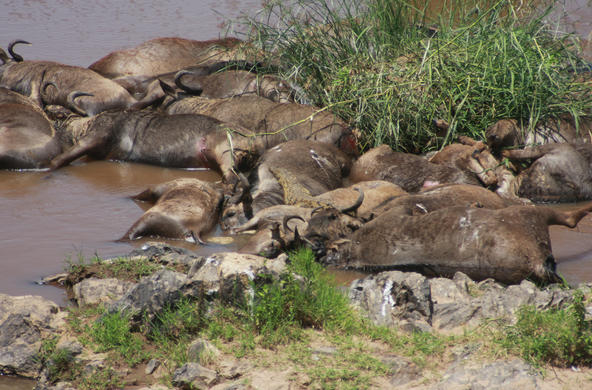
113,331
561,337
376,64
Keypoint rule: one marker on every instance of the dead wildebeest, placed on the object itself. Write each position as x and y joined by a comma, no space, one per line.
409,171
509,244
560,172
233,83
328,225
314,167
184,209
27,137
508,133
377,193
273,122
164,55
445,195
474,157
183,141
80,89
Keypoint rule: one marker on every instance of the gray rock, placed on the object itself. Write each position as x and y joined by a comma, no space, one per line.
232,369
236,385
413,302
155,387
71,345
401,370
229,275
24,322
201,348
502,375
151,295
193,375
93,291
394,297
152,365
165,254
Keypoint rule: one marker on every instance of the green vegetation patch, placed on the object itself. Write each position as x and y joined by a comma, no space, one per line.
392,67
130,269
561,337
304,322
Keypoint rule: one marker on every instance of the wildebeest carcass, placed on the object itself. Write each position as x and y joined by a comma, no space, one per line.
27,137
409,171
311,167
509,244
164,55
79,89
474,157
508,133
231,83
273,122
184,209
560,172
183,141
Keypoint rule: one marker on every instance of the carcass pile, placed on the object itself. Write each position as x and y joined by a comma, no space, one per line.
292,175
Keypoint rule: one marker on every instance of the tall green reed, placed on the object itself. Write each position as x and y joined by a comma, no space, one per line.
391,67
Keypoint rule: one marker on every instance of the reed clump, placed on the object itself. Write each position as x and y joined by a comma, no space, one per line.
392,67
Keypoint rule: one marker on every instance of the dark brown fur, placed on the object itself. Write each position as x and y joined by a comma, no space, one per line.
53,83
408,171
508,244
317,167
273,122
233,83
561,172
152,138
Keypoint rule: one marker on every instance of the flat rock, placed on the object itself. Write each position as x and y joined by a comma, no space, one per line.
24,322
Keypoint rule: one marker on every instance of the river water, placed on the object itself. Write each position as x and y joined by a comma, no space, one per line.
81,210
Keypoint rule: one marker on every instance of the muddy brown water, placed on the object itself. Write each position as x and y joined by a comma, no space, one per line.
81,210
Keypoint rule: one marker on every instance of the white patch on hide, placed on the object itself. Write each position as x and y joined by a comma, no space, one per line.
126,144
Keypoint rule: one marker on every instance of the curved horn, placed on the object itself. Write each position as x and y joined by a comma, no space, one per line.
287,218
356,204
72,104
242,190
188,89
17,57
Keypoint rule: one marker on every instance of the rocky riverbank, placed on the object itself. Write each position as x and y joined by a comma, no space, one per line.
443,337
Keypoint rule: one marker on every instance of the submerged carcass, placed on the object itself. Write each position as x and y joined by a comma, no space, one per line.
27,137
184,209
184,141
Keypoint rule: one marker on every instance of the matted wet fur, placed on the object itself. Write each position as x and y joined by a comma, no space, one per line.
408,171
509,244
184,209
